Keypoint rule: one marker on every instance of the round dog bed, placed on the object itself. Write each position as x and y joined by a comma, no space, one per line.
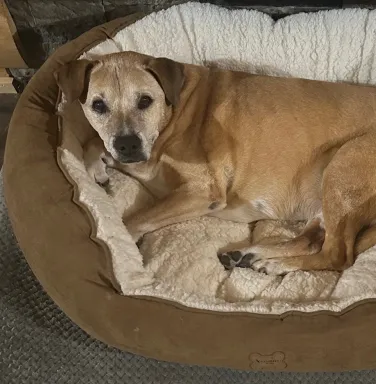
172,299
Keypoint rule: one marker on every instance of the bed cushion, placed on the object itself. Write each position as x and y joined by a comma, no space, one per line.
180,262
74,266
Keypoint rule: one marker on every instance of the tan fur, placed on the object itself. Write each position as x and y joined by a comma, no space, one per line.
247,148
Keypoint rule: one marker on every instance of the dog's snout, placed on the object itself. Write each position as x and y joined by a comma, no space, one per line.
129,149
127,145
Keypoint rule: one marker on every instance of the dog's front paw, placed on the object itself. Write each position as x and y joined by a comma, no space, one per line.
98,172
135,231
96,160
136,235
234,259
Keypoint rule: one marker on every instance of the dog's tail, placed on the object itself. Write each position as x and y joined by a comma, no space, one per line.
365,240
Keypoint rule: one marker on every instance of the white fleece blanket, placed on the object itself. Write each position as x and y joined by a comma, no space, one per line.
179,262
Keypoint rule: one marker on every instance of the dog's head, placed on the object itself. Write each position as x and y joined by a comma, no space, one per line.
127,98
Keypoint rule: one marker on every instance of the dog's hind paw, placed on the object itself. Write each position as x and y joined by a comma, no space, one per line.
234,259
273,267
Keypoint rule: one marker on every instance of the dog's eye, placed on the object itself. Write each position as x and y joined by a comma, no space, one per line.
99,106
144,102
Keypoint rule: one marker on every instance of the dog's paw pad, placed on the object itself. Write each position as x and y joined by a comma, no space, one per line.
247,260
234,259
226,261
235,256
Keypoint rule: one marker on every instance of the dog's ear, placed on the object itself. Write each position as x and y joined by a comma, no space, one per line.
170,76
73,79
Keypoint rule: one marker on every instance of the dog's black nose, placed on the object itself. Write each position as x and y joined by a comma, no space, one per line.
127,145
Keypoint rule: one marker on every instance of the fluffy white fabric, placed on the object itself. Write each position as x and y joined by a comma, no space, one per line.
180,262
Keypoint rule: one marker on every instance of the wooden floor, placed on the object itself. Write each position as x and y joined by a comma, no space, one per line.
7,104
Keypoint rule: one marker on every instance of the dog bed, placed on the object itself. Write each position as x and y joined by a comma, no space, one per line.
172,299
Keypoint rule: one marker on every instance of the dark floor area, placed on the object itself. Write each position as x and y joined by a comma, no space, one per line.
7,104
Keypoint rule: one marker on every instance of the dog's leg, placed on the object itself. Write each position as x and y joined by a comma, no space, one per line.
96,160
309,242
183,204
349,205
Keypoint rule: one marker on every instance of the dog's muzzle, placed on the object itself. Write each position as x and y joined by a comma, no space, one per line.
129,149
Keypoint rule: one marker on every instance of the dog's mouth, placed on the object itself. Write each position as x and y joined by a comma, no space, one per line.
134,159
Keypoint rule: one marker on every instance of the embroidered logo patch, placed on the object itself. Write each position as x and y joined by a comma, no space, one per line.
275,361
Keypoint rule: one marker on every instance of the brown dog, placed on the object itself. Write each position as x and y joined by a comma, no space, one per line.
240,147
